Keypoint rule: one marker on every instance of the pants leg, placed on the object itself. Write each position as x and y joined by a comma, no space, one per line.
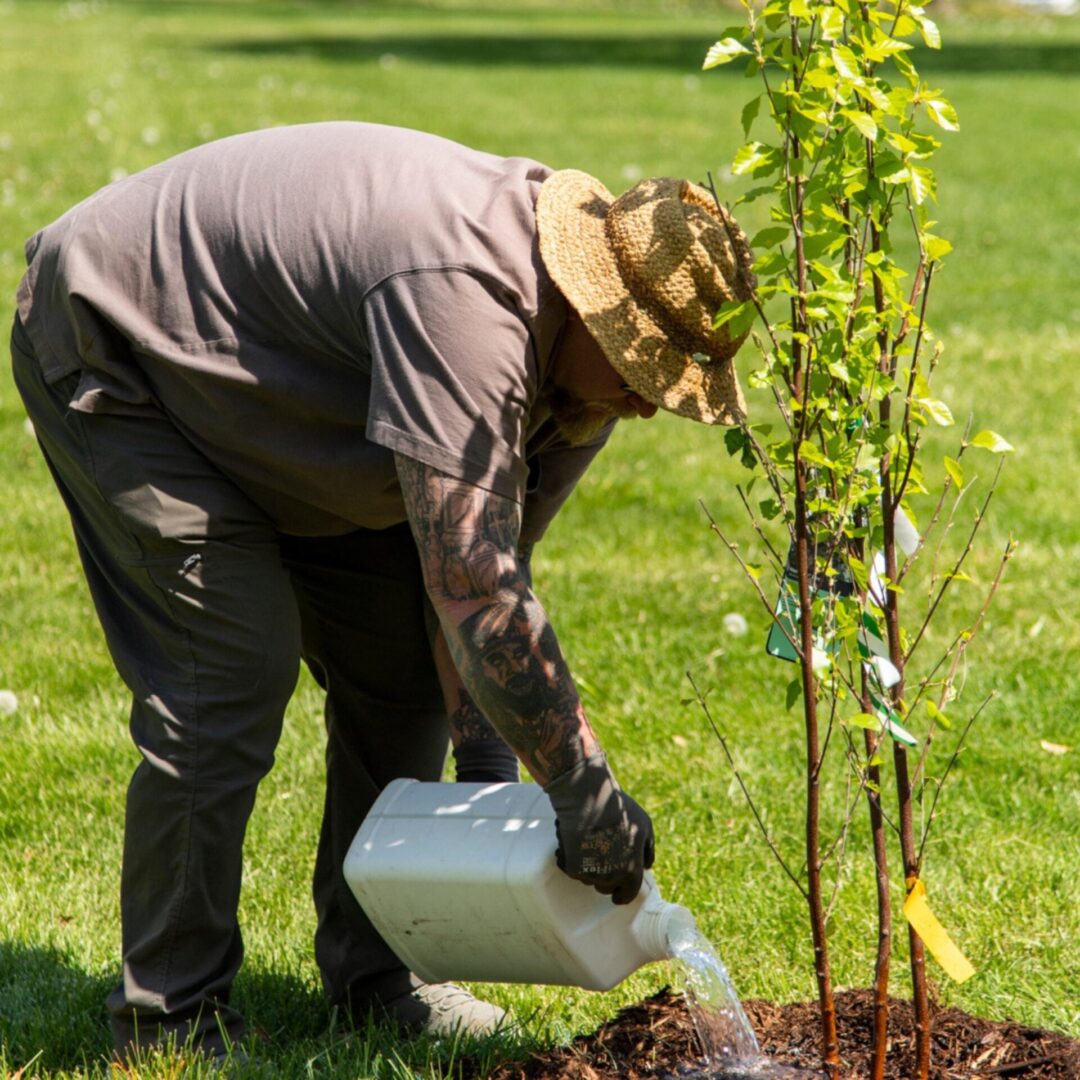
366,635
200,619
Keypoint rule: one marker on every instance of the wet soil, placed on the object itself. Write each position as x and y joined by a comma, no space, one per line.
655,1040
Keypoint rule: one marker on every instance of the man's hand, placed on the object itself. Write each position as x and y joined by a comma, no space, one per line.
605,838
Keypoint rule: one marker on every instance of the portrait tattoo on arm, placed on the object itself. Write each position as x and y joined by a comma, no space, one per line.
468,724
498,633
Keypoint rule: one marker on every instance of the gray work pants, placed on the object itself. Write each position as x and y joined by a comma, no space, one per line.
207,610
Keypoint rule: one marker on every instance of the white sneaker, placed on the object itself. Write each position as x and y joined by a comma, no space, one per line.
445,1009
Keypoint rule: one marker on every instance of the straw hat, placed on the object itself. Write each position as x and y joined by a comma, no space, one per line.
647,273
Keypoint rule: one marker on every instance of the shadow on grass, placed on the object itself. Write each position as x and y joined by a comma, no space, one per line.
52,1012
674,52
50,1007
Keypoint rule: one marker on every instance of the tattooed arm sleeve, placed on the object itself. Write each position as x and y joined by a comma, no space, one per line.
499,636
481,754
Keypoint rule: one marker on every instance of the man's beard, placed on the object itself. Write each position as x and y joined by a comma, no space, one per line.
581,422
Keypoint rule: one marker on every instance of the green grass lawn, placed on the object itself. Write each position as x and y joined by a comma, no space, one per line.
636,583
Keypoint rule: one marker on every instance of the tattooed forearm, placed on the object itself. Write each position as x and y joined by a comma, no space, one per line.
466,536
510,658
468,724
498,634
525,560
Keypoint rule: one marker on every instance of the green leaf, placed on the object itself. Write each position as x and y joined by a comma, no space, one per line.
774,16
905,25
866,721
884,46
798,9
817,244
794,692
769,263
859,572
739,31
906,69
811,454
873,93
770,237
750,157
749,114
955,471
929,29
821,79
734,440
938,411
937,715
814,111
832,24
847,64
831,212
943,114
992,441
755,193
922,184
901,142
723,52
769,508
936,248
863,121
920,385
737,316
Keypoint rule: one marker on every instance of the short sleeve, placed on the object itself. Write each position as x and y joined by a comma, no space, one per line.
453,373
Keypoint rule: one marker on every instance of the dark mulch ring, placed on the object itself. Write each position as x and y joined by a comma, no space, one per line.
655,1040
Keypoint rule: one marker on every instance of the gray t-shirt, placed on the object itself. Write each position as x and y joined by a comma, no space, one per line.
304,301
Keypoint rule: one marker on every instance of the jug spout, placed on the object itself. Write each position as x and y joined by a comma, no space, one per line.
660,926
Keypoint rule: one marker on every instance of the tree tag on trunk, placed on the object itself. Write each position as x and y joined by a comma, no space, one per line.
917,912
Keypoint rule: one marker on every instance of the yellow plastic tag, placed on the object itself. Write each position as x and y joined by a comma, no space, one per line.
917,912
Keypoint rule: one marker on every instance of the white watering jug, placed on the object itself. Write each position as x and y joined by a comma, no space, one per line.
461,881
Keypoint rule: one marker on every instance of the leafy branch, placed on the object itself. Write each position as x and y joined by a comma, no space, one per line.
845,129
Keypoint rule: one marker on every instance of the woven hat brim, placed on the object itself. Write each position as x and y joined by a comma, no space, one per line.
574,246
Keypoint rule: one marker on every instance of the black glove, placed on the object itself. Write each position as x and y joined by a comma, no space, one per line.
605,838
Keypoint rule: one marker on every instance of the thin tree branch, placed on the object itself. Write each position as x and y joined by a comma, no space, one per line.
951,576
962,644
948,768
746,793
779,559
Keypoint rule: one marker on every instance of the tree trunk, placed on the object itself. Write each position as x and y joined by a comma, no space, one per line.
806,565
920,999
884,907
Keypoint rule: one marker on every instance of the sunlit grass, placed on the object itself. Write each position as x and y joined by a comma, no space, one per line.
637,584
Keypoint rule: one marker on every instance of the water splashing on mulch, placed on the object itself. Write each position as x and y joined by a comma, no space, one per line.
725,1033
655,1040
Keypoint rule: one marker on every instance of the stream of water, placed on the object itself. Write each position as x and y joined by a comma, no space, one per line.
725,1032
727,1038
